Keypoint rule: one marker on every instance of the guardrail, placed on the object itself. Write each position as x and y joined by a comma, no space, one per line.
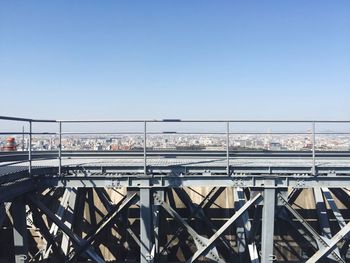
145,133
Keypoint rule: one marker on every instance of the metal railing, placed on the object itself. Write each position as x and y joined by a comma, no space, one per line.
145,133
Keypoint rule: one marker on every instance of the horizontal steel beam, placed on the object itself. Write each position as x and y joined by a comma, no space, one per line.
12,190
257,181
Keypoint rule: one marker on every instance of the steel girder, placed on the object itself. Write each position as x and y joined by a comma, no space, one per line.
282,181
199,240
331,244
205,203
20,231
104,223
244,230
325,246
198,212
78,241
321,241
209,244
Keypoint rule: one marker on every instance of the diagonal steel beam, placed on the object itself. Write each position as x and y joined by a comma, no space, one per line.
60,213
101,193
92,207
109,205
68,219
244,229
222,229
4,208
299,230
50,239
323,216
240,226
323,251
322,213
206,202
105,222
338,216
342,195
198,212
214,193
294,194
78,241
2,213
199,240
321,242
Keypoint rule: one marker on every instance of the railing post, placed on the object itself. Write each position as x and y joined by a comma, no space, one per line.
22,138
313,148
60,149
228,147
30,148
144,148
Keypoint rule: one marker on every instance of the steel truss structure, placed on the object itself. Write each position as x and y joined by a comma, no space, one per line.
192,206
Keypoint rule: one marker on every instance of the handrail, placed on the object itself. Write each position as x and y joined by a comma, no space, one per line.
176,120
313,132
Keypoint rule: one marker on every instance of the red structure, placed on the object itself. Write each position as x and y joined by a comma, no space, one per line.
10,145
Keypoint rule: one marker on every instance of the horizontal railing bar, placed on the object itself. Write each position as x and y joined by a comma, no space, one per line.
176,120
14,119
102,133
174,132
54,151
208,121
44,133
14,133
27,133
24,119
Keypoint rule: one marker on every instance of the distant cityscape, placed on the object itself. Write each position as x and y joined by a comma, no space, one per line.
265,142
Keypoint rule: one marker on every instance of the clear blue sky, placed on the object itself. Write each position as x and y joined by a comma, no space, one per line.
175,59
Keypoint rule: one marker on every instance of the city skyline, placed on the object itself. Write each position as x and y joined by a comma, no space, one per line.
180,142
